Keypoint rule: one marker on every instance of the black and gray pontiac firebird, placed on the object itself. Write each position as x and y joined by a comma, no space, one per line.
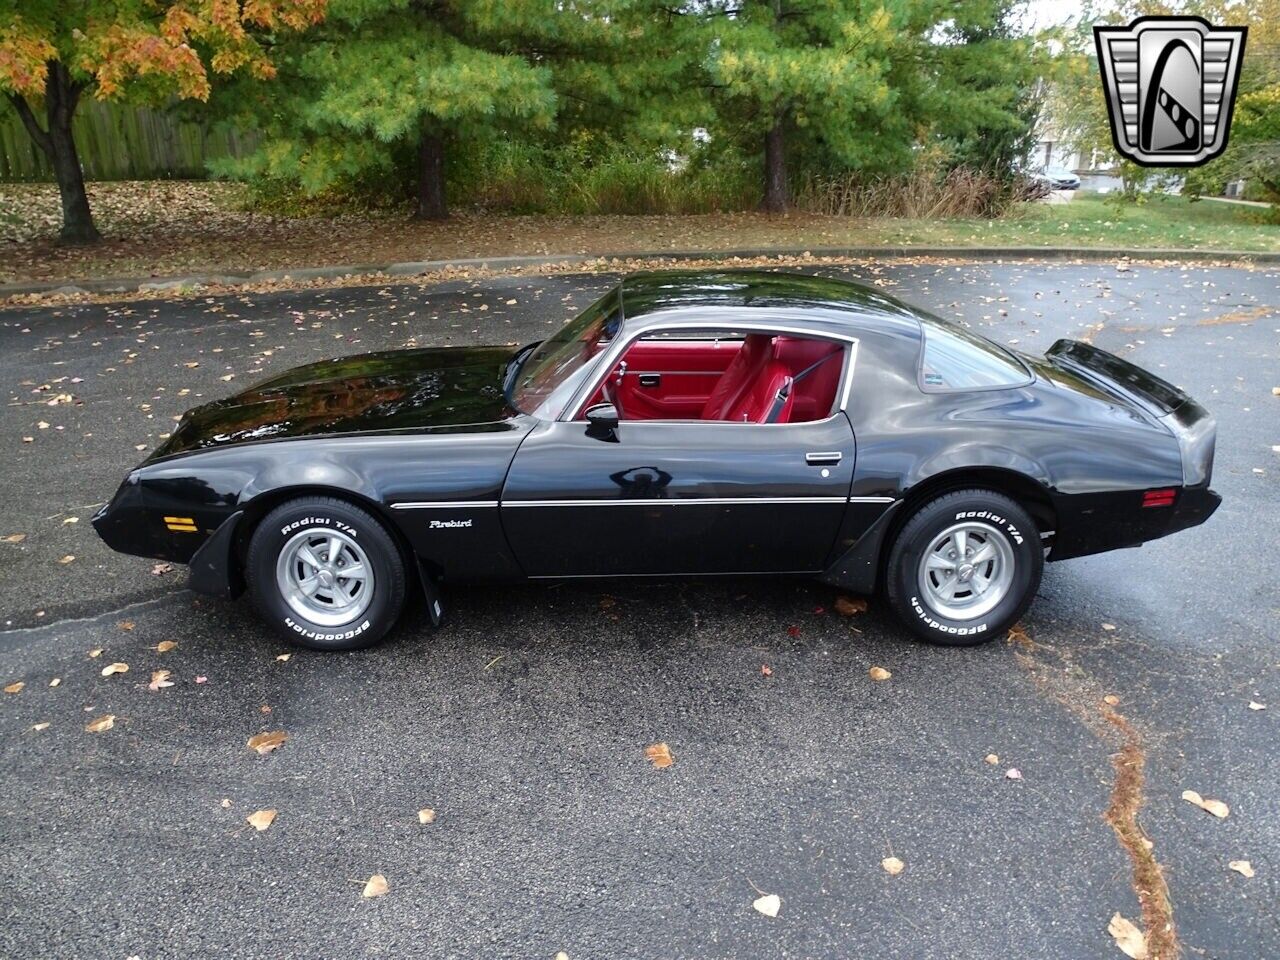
685,424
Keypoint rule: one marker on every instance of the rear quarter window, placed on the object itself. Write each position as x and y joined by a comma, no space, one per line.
955,359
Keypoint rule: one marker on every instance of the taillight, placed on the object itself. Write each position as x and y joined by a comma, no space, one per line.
1159,498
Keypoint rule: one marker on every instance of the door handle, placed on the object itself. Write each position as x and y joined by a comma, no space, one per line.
823,458
650,379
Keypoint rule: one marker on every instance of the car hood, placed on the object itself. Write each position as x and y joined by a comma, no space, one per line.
431,388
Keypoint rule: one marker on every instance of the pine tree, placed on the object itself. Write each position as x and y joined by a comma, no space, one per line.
385,78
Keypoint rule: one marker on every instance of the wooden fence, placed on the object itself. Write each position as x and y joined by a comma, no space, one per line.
119,142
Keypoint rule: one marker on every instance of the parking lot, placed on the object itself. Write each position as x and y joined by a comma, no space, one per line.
523,722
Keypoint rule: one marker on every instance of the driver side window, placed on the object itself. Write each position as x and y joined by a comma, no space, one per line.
725,376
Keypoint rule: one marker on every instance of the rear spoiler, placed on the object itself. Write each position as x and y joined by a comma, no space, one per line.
1156,396
1191,423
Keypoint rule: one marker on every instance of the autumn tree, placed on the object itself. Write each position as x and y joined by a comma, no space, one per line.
54,52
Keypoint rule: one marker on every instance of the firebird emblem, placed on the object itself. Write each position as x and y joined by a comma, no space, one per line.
1171,86
448,524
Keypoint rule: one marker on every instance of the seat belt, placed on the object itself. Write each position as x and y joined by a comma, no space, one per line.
779,401
784,391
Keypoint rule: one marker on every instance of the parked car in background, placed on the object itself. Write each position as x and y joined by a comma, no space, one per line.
744,423
1057,178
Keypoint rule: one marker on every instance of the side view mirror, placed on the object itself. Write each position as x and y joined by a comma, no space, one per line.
602,422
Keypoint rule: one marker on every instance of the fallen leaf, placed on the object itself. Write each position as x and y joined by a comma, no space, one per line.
1111,699
202,679
159,680
1131,941
1013,773
114,669
283,657
1109,627
105,722
96,652
766,670
660,754
126,624
1275,391
992,758
879,673
561,955
14,538
1242,867
55,681
892,866
376,887
70,520
850,606
1255,705
160,569
261,819
769,904
264,743
164,646
66,559
226,803
45,726
1019,636
1216,807
15,687
793,631
426,815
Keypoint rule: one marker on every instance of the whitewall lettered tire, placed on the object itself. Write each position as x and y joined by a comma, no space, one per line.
964,567
326,574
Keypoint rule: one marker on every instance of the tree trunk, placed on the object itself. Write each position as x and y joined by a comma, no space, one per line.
776,196
61,95
431,199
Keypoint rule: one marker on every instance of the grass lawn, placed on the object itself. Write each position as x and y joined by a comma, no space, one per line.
1090,220
173,227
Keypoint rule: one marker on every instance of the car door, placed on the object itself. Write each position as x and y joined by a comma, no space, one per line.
676,497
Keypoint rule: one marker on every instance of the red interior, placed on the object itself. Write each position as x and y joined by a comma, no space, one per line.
751,380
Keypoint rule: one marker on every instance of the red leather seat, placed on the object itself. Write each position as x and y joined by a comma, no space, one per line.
758,404
738,378
816,393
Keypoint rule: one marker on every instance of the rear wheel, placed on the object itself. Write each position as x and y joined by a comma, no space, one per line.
964,568
326,574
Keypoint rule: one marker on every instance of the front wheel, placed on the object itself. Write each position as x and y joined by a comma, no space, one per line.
964,568
325,574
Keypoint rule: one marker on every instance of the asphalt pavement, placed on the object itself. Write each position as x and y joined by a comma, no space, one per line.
524,721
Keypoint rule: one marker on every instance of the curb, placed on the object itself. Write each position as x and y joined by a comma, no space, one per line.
414,268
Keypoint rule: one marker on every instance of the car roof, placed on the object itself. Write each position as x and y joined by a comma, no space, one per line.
826,305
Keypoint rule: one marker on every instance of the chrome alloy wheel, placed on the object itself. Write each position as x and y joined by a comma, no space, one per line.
324,577
967,570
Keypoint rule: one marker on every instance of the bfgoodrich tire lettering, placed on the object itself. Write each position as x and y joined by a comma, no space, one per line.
943,598
361,608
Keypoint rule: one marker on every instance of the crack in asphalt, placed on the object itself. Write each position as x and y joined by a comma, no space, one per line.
1071,686
12,639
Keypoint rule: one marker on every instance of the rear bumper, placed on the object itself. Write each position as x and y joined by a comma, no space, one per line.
1096,523
1194,506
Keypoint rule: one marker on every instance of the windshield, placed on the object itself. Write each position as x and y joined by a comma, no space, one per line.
553,371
